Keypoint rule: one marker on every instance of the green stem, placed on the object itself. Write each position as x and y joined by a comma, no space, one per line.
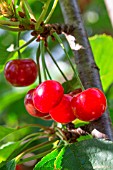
51,12
47,70
24,45
68,57
41,17
26,143
24,9
61,134
10,29
38,63
14,9
29,9
34,148
56,63
36,156
9,23
42,49
19,54
34,125
45,66
32,135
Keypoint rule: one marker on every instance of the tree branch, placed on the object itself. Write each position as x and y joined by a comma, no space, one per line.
87,69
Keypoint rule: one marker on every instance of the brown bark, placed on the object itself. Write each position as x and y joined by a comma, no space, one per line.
87,69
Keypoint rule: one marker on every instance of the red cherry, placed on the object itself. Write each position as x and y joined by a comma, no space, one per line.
89,105
63,113
28,102
19,167
47,95
21,72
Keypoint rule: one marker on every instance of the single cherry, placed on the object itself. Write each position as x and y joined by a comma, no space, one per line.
28,102
47,95
21,72
63,112
89,105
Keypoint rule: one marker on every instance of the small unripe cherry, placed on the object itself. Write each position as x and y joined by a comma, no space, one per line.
89,105
63,113
21,72
47,95
28,102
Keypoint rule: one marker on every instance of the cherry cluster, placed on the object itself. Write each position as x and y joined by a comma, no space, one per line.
48,101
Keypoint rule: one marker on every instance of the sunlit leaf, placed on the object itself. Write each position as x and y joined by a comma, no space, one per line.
6,150
47,162
102,46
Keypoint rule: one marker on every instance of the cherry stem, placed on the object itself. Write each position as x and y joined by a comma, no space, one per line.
39,146
47,70
10,28
37,134
34,148
18,39
29,9
36,156
49,52
34,125
42,49
24,45
14,9
68,57
25,143
9,23
38,62
42,15
60,134
51,12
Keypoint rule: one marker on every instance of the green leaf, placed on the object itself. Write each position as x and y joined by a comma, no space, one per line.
47,162
7,150
86,137
9,165
85,155
71,85
102,47
58,160
4,131
78,123
89,154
